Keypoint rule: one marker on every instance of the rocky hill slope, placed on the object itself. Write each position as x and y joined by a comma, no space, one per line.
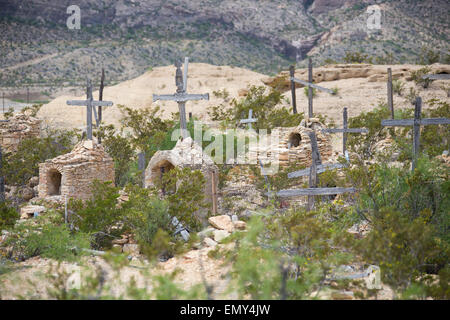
128,37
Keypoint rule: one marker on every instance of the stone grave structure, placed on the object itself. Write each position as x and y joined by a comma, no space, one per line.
18,127
294,144
72,174
186,153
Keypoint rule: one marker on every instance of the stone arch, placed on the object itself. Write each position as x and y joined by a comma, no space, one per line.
54,178
295,139
161,167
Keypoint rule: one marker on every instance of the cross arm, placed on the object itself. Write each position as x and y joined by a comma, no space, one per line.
349,130
441,76
309,84
410,122
248,120
180,97
320,168
93,103
313,192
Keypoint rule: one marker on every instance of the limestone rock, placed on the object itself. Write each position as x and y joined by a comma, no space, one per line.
209,242
240,225
132,249
27,193
222,222
28,211
219,235
33,182
206,232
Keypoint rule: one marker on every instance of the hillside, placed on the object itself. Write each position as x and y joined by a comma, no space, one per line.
129,37
360,88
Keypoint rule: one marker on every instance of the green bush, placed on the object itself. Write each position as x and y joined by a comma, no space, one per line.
264,106
357,57
417,77
48,241
398,86
8,216
100,216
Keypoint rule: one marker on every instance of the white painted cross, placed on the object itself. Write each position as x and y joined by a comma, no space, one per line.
181,97
250,119
90,104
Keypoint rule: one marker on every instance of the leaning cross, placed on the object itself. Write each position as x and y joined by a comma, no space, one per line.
181,96
90,104
309,84
346,130
416,123
250,119
313,190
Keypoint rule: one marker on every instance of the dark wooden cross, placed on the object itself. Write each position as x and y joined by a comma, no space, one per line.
141,166
308,84
181,97
250,119
2,179
415,123
346,130
315,168
100,98
390,95
90,104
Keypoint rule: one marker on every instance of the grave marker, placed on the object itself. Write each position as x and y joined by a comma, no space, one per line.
346,130
308,84
181,97
90,103
249,120
415,123
2,179
390,96
141,166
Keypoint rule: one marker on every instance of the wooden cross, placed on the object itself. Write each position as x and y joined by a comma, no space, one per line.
346,130
313,190
90,104
181,96
100,98
390,95
439,76
141,166
415,123
310,85
250,119
2,179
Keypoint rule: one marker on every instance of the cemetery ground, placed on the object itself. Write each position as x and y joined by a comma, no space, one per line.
386,240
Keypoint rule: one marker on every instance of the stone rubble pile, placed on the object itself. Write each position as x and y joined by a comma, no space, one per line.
20,126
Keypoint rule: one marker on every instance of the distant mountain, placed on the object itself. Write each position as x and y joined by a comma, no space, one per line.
128,37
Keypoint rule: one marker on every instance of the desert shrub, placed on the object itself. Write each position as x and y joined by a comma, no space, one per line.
8,216
286,256
183,189
100,216
398,86
120,149
48,241
357,57
149,218
417,77
401,246
20,166
306,90
412,95
264,106
428,56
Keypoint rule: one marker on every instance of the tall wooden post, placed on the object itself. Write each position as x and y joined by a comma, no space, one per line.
416,131
100,98
390,96
214,192
310,90
141,166
344,136
2,179
294,101
313,179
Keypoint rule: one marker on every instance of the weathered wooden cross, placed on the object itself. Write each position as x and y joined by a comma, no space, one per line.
141,166
390,95
439,76
315,168
415,123
90,104
308,84
2,179
250,119
346,130
100,98
181,97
